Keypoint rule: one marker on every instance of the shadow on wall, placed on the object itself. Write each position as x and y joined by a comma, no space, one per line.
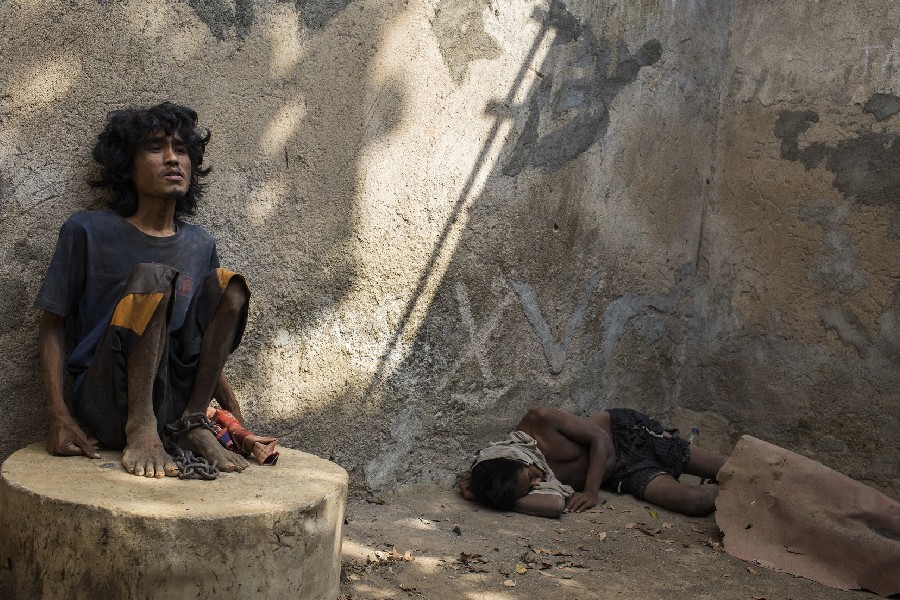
295,248
495,340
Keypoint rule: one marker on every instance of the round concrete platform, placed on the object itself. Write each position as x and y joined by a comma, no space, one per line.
74,528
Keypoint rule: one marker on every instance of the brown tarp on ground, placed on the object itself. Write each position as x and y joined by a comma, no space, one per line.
789,513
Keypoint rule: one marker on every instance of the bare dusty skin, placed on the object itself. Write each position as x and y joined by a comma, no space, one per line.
201,441
459,550
146,456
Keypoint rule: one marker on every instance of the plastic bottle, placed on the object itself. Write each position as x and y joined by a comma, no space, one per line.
695,433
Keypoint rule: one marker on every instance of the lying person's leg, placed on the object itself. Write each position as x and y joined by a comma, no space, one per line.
666,491
219,338
703,463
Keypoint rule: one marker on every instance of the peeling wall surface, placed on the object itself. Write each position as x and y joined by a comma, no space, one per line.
795,331
450,211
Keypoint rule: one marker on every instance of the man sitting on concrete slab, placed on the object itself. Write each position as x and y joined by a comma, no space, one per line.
556,462
155,317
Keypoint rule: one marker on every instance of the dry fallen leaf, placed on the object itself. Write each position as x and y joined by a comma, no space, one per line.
752,570
654,514
603,536
520,569
509,583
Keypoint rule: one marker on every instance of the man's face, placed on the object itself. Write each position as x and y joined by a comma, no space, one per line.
162,167
529,477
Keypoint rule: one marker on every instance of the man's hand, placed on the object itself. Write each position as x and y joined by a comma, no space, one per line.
66,438
581,501
465,487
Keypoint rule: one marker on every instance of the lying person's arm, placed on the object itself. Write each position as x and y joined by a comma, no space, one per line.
540,505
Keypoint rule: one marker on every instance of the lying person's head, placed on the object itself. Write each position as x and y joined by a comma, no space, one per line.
499,482
123,135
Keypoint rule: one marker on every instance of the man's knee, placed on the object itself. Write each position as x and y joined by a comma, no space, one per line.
698,501
236,295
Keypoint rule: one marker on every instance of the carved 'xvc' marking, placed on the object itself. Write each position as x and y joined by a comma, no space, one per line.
477,336
555,351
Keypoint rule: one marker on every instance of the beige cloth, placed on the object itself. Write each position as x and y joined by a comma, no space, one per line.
522,447
792,514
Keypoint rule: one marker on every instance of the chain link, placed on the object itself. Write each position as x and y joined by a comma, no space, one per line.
190,465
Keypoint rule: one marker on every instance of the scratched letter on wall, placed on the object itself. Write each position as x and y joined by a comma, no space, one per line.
554,351
477,336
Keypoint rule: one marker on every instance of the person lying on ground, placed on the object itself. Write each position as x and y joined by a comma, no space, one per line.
557,462
155,317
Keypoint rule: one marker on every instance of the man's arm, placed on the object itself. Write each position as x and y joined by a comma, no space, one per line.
64,436
537,505
540,505
226,398
544,422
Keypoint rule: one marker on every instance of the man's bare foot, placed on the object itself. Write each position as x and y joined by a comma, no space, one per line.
145,456
202,441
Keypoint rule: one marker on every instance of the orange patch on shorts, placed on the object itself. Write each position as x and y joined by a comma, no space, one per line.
224,276
134,311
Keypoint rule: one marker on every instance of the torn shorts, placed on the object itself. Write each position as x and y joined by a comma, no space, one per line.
644,451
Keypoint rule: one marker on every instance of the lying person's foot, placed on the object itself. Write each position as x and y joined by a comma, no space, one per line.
146,456
201,441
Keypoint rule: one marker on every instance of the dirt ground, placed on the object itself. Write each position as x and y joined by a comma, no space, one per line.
435,545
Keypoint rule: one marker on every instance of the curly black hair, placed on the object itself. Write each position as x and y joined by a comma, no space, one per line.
125,130
495,482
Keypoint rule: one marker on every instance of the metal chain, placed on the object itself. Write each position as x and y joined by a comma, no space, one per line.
190,465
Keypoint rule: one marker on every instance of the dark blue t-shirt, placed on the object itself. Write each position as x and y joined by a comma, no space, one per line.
94,256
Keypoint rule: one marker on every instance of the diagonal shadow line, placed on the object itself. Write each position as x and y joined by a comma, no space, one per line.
547,21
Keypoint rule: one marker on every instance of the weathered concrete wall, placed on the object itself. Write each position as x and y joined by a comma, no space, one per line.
574,264
796,331
451,210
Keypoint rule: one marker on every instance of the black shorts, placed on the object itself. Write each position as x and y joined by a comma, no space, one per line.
100,395
644,451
